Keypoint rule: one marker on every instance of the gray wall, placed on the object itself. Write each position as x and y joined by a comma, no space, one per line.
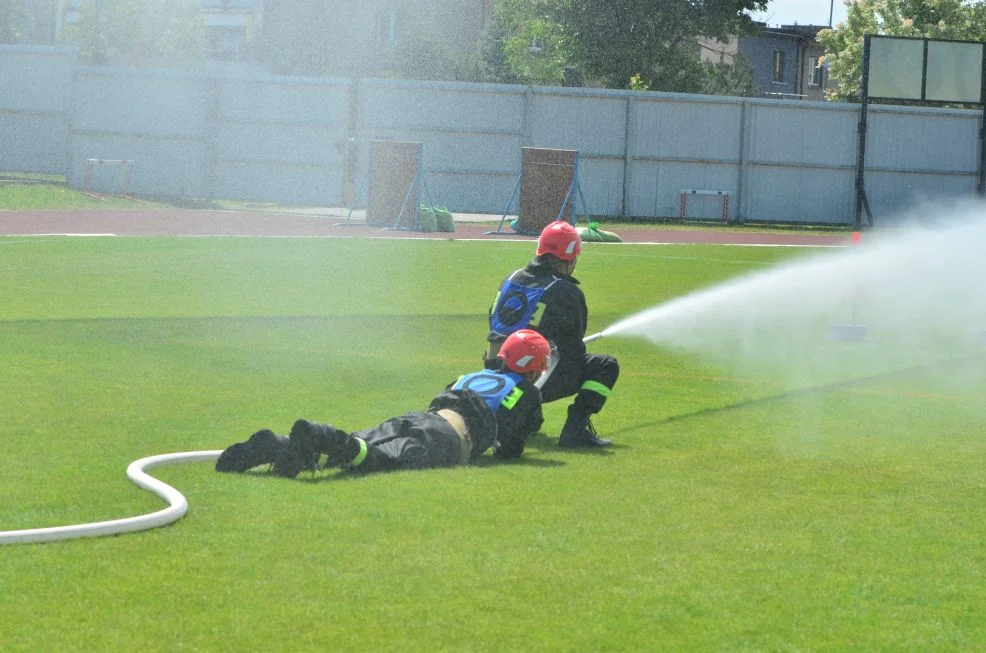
280,139
35,94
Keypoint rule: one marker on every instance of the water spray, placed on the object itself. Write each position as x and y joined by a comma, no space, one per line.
852,332
913,294
177,505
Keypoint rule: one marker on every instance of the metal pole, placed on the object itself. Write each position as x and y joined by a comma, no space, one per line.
861,146
982,130
831,9
627,136
741,174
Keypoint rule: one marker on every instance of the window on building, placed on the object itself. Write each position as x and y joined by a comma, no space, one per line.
815,71
778,66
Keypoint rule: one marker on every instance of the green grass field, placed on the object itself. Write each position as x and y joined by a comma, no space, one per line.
734,514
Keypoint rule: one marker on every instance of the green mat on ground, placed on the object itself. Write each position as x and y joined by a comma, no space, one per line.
593,234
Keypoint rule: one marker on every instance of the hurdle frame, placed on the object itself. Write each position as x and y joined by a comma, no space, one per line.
126,164
685,192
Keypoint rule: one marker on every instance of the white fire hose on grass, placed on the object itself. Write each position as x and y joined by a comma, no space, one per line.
177,507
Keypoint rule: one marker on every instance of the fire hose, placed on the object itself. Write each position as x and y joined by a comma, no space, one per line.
177,505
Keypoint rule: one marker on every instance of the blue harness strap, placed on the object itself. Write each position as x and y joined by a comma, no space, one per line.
495,388
517,307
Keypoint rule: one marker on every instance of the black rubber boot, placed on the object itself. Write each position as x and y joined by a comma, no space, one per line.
262,448
310,440
288,463
578,432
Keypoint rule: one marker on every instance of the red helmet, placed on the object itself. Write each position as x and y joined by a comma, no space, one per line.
561,239
525,351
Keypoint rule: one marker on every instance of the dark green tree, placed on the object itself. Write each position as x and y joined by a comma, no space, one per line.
11,21
30,22
491,64
729,79
163,33
614,41
423,55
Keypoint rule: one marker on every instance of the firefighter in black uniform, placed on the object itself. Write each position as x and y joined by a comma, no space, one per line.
489,409
545,297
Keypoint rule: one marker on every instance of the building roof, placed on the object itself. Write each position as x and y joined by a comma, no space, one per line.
803,31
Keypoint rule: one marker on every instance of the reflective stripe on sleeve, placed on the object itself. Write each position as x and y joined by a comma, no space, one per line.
361,456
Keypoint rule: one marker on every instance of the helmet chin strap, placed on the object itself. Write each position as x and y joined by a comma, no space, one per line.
559,266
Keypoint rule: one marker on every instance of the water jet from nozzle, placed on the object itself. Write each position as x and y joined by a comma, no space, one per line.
594,336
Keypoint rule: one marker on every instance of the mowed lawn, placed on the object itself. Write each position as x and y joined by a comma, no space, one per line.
737,512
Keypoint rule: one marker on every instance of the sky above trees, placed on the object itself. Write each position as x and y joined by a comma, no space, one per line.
802,12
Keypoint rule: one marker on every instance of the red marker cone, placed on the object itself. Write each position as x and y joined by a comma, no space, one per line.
856,237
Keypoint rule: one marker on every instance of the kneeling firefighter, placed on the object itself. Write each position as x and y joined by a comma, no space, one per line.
545,297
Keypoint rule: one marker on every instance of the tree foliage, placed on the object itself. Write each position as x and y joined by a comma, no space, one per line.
729,79
614,41
420,54
12,14
491,64
938,19
148,33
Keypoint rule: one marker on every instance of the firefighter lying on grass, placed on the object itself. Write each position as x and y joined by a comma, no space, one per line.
495,409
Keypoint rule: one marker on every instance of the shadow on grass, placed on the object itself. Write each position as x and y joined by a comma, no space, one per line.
523,461
538,442
338,474
545,444
803,392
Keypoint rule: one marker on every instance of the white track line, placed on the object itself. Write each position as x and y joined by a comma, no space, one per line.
412,238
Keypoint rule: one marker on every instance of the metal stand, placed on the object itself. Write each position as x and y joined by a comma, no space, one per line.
575,187
349,215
